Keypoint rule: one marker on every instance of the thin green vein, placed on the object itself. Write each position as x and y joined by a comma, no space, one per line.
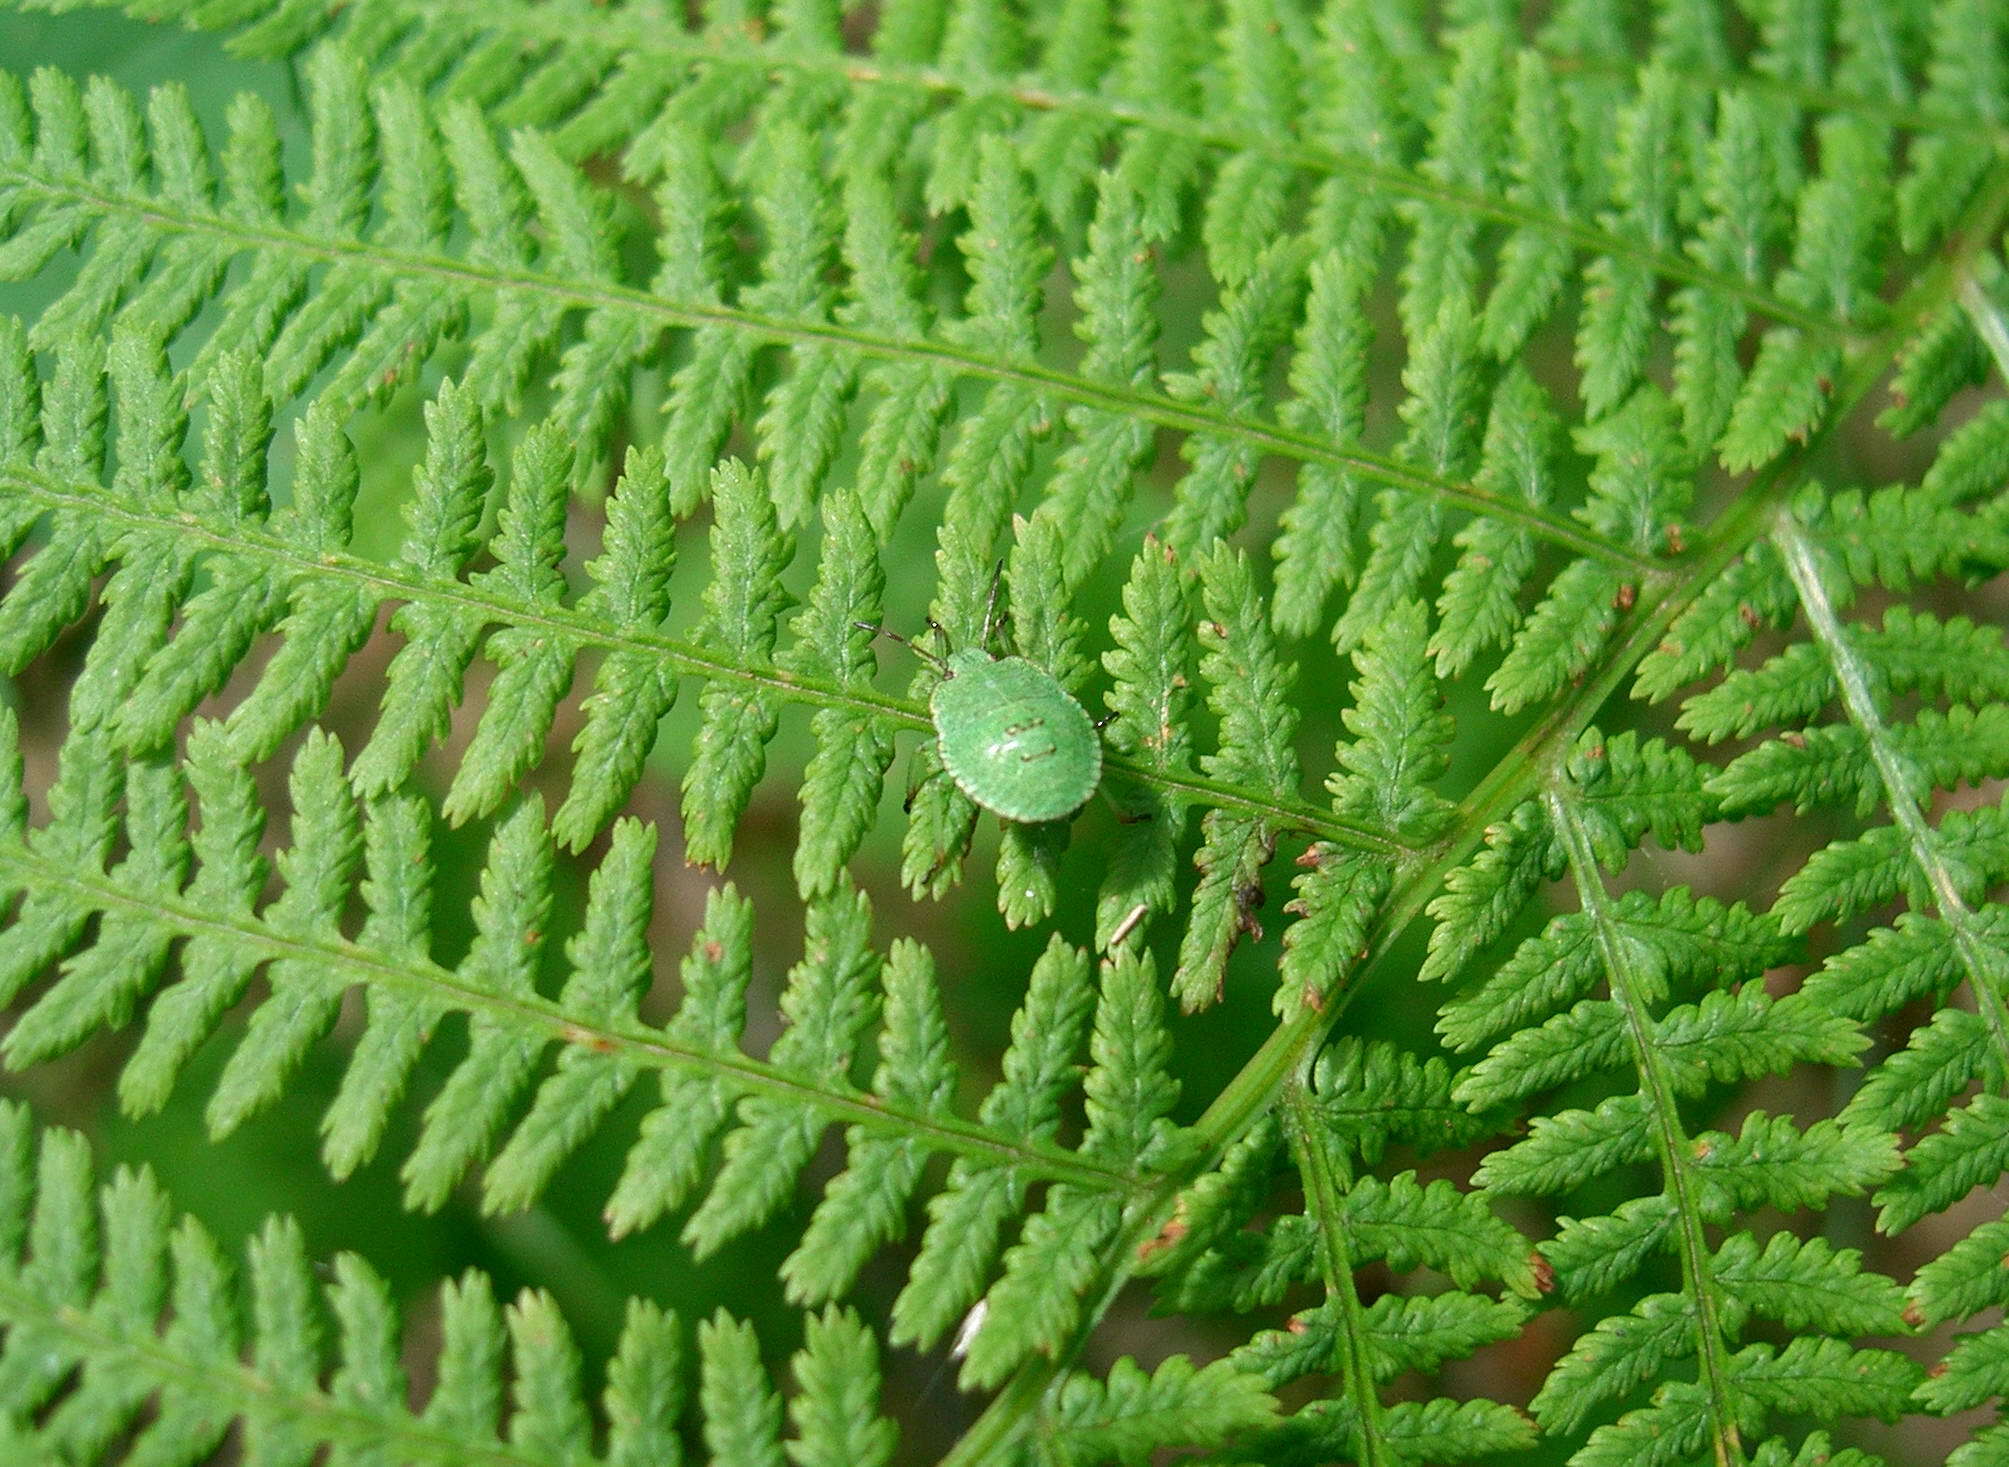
634,1043
1268,436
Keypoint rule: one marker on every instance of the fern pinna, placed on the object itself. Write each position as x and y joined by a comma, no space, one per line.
1533,487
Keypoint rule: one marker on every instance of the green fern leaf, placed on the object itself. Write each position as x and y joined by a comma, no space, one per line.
533,670
463,1119
1618,293
1478,607
1946,1165
100,985
1807,1285
610,971
1131,1414
317,872
742,603
828,1004
665,1164
864,1206
1615,1359
632,690
1242,670
398,893
742,1413
1772,1158
1148,665
1965,1279
1314,551
1242,339
841,786
1945,168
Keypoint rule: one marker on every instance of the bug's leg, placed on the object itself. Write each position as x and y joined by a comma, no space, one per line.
991,606
1105,720
953,851
921,773
1123,816
921,652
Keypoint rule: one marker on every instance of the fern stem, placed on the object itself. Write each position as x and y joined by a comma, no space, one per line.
1324,1184
1985,964
545,1019
1669,1139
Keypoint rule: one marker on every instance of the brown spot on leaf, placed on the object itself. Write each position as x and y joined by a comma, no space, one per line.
1168,1236
1545,1273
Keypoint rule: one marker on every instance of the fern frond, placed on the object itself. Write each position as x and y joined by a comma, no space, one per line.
1962,76
84,1278
1674,1053
966,1217
1478,608
1353,1221
768,1114
1231,367
1384,778
1545,354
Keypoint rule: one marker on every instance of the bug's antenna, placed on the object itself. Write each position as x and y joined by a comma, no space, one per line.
919,651
991,606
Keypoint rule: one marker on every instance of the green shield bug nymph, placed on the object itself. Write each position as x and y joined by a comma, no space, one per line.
1011,737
